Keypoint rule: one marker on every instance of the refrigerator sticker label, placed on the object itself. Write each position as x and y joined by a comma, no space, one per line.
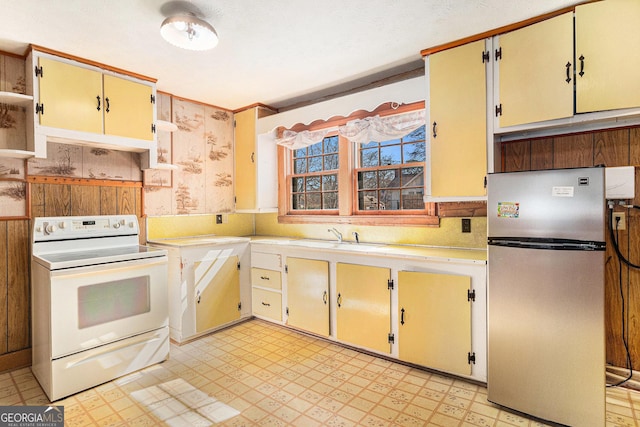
508,210
562,192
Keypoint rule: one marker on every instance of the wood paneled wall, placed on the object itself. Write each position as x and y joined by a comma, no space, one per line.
48,197
619,147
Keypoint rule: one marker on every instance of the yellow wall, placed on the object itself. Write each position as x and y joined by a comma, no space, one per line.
161,227
448,234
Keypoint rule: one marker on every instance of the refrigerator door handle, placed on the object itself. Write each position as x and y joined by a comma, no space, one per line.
547,244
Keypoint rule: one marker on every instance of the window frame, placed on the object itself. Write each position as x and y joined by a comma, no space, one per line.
347,212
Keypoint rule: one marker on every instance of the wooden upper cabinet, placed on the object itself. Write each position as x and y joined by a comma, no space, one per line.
607,55
256,179
84,99
458,116
534,66
245,159
69,96
128,108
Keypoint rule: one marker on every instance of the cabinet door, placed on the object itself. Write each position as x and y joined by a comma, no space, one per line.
363,306
536,72
71,96
607,55
245,159
457,96
217,292
308,295
435,320
128,108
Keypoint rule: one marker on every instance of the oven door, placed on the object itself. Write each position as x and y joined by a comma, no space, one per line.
95,305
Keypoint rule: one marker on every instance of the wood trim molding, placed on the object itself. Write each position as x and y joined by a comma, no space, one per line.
82,181
405,220
257,104
93,63
15,360
500,30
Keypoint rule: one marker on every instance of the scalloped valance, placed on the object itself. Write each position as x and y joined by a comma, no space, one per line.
402,92
361,131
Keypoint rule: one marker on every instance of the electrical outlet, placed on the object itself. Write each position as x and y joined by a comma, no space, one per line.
618,218
218,219
466,225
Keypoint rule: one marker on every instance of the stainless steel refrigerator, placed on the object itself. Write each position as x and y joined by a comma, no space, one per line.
546,338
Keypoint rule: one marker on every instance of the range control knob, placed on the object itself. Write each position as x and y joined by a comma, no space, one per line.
62,225
50,228
116,225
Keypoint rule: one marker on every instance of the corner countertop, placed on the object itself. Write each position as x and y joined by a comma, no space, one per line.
206,239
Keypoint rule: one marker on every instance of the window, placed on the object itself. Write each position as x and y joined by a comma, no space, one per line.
391,173
314,183
338,180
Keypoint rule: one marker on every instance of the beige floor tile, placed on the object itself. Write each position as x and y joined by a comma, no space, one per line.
273,376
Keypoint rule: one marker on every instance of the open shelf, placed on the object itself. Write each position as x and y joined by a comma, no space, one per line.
15,99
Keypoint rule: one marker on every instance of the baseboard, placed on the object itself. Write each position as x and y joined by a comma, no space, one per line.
616,374
15,360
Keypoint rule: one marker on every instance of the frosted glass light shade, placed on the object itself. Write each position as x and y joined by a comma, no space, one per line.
189,32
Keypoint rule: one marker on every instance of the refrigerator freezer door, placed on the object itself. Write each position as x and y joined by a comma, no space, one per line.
546,333
559,204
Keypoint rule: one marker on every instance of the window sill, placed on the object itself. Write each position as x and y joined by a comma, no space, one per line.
402,220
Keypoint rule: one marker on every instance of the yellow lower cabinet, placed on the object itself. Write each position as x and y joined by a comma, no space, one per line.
217,292
363,306
435,320
308,295
267,303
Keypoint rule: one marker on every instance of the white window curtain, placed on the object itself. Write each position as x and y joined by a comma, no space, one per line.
296,140
377,129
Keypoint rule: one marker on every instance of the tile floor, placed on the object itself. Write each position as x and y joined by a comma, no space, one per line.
259,374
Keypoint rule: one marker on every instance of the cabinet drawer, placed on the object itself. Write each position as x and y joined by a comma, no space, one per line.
268,261
267,303
266,278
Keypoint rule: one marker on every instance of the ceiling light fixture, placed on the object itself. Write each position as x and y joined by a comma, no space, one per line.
189,32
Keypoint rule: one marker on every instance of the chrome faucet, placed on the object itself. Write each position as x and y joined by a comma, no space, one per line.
336,233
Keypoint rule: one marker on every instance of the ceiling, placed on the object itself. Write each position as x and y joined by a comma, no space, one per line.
277,52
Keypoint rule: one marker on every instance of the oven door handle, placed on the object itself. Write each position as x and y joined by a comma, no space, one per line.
112,350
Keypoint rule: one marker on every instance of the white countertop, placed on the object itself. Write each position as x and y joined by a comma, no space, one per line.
477,256
206,239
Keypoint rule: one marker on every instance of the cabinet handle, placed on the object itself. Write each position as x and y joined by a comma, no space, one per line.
402,316
253,155
435,134
106,104
581,65
339,300
264,277
98,98
198,300
266,304
324,297
568,70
